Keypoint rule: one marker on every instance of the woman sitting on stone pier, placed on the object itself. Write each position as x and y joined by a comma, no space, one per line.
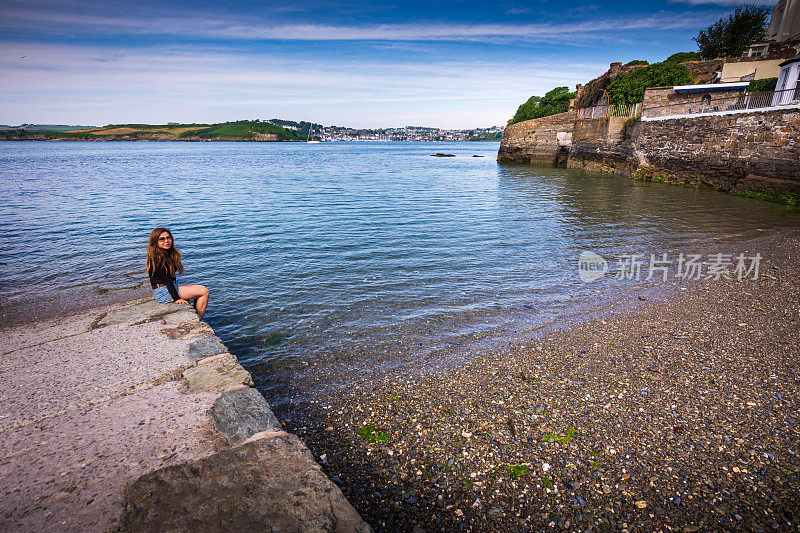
163,266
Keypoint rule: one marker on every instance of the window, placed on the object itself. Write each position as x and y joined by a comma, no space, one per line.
781,85
797,85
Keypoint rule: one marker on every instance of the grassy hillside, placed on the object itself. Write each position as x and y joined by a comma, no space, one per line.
241,130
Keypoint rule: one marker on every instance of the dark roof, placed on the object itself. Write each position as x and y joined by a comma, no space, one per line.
794,59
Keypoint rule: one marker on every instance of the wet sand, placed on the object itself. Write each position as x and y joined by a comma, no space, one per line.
680,414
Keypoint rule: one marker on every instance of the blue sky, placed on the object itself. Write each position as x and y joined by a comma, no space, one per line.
450,64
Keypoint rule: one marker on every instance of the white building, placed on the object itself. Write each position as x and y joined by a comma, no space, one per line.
785,21
784,25
788,87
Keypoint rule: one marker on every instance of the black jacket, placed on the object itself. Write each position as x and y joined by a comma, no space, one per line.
160,276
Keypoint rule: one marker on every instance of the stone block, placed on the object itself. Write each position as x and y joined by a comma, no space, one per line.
141,312
240,414
190,329
270,484
181,317
206,347
218,375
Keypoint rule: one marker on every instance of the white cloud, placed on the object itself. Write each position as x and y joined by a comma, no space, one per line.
725,2
231,29
56,83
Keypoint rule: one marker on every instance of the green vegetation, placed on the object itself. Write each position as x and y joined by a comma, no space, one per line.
788,198
682,57
517,471
552,103
636,62
240,130
481,136
628,87
526,111
245,129
566,439
274,339
302,127
730,37
762,86
21,135
369,433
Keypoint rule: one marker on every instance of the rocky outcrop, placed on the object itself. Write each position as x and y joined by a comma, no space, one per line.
703,71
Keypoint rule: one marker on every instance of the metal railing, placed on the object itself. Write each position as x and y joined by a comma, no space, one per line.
605,111
740,102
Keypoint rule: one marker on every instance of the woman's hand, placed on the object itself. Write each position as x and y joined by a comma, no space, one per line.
180,301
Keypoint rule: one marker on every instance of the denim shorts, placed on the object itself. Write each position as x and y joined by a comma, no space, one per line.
162,294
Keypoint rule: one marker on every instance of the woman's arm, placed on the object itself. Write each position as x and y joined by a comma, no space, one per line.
173,291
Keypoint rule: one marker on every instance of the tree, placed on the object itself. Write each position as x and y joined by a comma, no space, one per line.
682,57
636,62
730,37
628,87
552,103
526,110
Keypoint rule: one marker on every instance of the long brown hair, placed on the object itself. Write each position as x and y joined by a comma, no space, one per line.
156,257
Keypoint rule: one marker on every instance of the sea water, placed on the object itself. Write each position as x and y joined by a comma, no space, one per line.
346,256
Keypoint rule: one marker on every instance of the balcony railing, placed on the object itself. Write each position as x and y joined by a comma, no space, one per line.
735,103
605,111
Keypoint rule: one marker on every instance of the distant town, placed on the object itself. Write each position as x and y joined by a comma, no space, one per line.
407,133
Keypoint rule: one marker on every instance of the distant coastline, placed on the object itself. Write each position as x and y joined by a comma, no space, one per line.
229,131
275,130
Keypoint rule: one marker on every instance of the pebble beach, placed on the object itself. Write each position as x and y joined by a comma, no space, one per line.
680,414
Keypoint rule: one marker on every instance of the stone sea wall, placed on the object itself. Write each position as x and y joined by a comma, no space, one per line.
738,152
755,153
537,140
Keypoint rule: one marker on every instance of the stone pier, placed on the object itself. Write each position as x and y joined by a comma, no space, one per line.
136,418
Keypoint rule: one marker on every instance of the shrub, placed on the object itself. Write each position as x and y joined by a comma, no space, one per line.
636,62
628,87
552,103
762,86
682,57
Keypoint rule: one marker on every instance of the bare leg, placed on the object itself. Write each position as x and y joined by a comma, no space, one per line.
198,293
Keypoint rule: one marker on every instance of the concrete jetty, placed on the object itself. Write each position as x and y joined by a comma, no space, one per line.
135,417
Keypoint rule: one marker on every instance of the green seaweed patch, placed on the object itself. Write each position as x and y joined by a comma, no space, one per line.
517,471
274,339
547,482
370,433
565,439
789,198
